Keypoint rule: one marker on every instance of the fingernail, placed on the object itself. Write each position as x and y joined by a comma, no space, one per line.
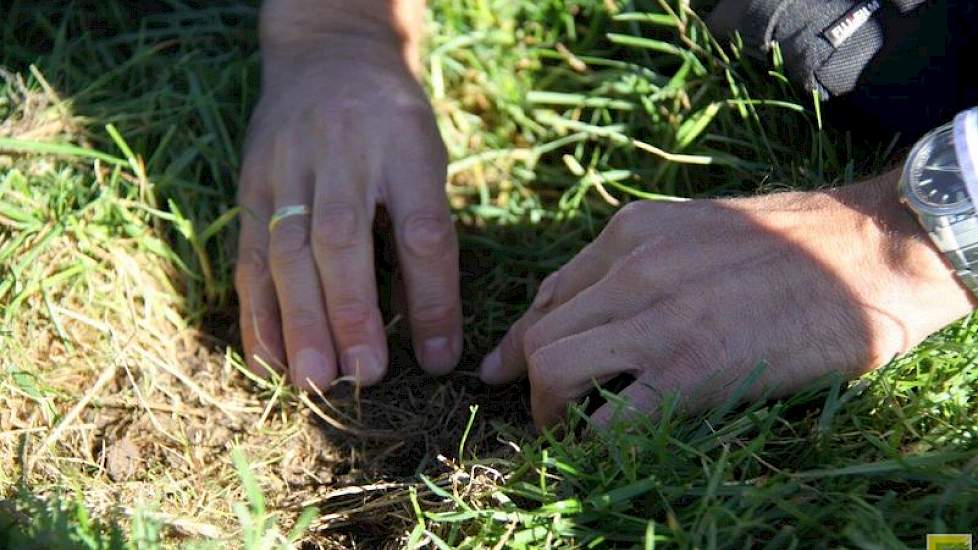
437,356
489,372
310,368
362,362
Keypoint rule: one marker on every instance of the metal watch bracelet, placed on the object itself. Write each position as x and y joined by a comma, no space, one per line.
948,232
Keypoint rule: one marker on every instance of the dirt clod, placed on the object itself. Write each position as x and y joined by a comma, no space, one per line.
122,460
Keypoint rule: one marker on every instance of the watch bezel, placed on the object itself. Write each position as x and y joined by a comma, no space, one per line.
911,197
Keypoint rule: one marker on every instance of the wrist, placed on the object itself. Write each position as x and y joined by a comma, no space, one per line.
378,31
920,287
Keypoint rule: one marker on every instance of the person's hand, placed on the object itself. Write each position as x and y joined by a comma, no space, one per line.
342,126
689,298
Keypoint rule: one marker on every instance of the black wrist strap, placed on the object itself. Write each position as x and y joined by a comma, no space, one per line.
901,65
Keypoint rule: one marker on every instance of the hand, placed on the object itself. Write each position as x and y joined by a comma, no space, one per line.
342,126
689,298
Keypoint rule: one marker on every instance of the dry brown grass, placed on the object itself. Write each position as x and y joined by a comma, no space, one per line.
114,398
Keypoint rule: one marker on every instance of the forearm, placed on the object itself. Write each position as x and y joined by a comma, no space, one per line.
292,27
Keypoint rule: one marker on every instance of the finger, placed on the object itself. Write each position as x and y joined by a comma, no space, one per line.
261,328
343,249
627,230
629,288
565,370
508,361
602,303
641,398
681,359
646,396
305,328
427,247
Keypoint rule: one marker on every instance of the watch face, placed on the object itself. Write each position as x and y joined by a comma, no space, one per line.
934,176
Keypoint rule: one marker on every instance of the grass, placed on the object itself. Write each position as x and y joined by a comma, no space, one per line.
127,420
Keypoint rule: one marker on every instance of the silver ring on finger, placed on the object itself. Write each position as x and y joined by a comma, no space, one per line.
287,212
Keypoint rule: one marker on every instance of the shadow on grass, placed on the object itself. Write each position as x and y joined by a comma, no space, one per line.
179,80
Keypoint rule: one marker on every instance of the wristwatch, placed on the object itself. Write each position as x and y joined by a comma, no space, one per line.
940,186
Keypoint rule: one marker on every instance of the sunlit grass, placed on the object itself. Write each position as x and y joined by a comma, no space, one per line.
121,388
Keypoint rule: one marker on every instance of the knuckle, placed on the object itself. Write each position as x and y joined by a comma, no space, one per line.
534,339
547,291
683,315
628,218
434,313
511,346
415,109
336,226
341,119
303,320
630,271
349,315
426,234
340,111
347,108
251,265
541,375
693,339
699,364
637,221
642,265
259,135
251,192
256,148
694,349
263,319
289,242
